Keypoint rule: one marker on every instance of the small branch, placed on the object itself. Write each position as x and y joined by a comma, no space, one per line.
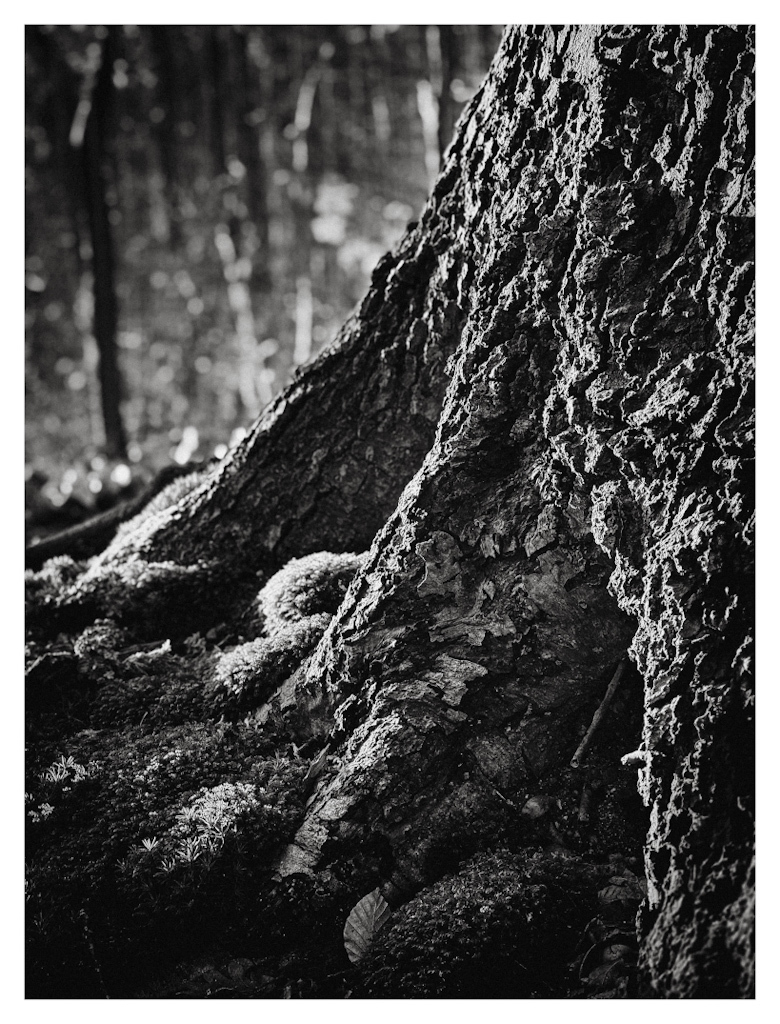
601,710
497,791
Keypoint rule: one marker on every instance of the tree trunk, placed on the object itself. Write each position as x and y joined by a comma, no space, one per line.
539,424
250,133
103,260
164,45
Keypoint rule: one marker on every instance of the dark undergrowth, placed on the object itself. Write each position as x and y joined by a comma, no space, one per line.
159,799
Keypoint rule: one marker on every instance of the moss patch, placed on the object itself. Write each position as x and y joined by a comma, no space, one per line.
504,926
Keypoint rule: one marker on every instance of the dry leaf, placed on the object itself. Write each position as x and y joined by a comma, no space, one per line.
363,923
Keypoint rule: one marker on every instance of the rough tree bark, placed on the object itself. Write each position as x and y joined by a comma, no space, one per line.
539,425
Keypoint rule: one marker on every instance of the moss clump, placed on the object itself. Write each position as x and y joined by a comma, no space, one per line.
121,682
151,835
166,498
98,648
149,597
505,926
146,593
163,687
307,586
249,673
158,687
104,679
55,700
43,589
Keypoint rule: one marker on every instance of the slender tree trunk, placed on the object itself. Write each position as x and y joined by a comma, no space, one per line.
539,424
64,100
86,179
103,258
250,141
441,59
164,45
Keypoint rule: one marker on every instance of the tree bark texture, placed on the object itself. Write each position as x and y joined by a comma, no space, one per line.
539,424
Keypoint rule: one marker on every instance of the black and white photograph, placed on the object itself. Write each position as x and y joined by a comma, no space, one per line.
389,511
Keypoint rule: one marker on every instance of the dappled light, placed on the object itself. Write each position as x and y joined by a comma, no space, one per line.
390,578
247,196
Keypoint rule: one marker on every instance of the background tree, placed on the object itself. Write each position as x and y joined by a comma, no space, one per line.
225,253
80,117
538,424
89,133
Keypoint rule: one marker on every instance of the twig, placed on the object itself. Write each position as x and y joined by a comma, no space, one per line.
601,710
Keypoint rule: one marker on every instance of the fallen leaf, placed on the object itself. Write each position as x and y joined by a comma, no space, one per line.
364,922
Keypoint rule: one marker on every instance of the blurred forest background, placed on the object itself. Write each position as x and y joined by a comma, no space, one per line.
204,207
